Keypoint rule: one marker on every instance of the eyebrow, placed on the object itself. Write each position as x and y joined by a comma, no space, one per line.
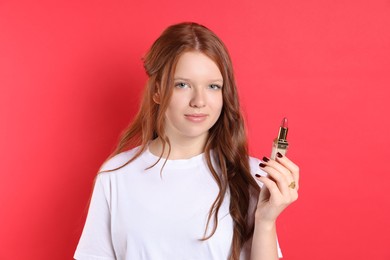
185,79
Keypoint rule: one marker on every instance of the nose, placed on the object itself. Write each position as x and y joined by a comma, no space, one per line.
198,99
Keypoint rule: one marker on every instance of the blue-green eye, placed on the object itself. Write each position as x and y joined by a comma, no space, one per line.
181,85
215,86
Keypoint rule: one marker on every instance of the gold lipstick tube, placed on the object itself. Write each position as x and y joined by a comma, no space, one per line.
280,143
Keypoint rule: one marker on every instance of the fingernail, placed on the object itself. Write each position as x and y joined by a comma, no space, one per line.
262,165
279,155
265,159
257,175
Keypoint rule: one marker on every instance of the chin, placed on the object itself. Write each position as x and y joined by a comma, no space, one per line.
192,134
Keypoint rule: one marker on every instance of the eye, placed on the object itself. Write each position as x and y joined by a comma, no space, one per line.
181,85
215,86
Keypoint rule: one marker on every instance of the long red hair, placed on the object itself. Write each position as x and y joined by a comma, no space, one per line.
227,138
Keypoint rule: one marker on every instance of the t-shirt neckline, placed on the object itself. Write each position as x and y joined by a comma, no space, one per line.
176,163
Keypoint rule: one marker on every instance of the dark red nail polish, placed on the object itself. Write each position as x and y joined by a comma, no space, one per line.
262,165
257,175
279,155
265,159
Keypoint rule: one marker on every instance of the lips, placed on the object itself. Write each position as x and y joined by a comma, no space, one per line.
196,117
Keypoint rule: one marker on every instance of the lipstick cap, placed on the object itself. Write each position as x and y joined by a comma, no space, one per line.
283,129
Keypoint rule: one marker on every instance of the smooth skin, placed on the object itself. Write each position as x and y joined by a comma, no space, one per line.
195,106
273,200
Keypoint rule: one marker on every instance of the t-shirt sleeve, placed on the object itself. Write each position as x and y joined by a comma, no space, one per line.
95,242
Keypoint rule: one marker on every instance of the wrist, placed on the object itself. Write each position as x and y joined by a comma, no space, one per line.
265,225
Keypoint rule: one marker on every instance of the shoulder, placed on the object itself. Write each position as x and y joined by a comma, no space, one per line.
254,162
255,168
118,160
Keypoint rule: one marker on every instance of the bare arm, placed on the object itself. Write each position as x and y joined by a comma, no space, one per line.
264,242
279,191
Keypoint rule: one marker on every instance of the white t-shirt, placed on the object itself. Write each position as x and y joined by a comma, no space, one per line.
148,214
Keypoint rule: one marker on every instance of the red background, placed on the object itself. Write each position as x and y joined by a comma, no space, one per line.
71,76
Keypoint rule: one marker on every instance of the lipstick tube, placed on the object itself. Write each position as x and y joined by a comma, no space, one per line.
280,143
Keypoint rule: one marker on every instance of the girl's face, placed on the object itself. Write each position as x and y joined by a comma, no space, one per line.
196,101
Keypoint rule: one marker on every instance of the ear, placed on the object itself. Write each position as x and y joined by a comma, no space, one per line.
156,98
156,95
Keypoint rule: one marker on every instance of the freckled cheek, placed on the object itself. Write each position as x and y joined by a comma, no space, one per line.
178,102
219,104
217,108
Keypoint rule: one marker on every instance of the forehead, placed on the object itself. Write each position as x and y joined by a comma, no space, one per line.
196,64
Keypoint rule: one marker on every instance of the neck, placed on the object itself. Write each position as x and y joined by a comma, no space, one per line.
180,149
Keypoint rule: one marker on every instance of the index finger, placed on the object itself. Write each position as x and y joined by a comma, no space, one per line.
292,167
